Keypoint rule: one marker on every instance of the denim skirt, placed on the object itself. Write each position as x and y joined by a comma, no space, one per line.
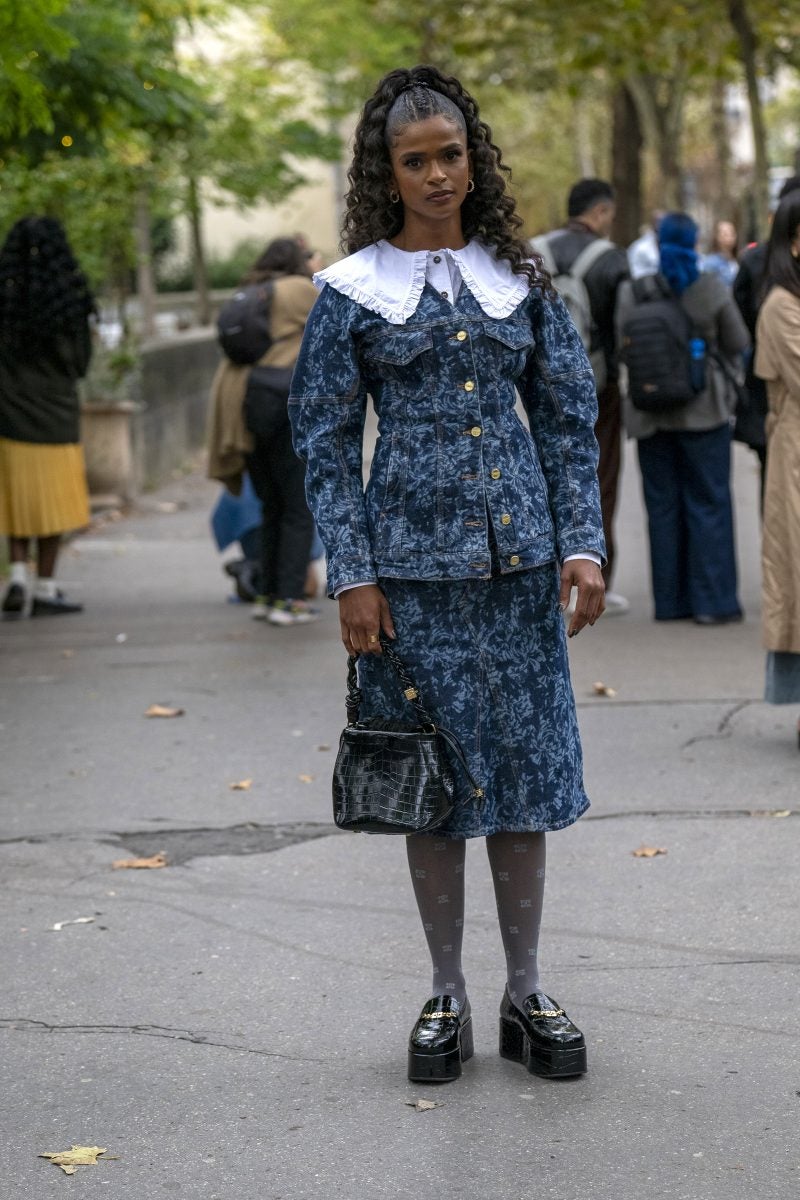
490,660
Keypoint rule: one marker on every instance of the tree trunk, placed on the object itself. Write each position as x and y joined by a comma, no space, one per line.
660,104
199,268
626,168
583,141
748,45
145,280
723,203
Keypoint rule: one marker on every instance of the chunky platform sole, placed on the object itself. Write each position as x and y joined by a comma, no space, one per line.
442,1068
551,1062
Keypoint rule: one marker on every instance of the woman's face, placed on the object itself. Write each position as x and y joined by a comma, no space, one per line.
726,237
794,245
431,168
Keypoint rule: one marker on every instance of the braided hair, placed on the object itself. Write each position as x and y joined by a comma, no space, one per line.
406,96
43,292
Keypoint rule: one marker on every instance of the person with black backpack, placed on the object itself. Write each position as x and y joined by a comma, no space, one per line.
680,336
260,330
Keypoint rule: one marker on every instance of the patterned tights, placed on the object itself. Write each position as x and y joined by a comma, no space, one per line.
517,862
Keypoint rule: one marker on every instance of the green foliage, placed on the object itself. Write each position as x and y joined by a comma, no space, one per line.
224,271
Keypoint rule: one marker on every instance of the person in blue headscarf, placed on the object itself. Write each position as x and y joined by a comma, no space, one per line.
684,452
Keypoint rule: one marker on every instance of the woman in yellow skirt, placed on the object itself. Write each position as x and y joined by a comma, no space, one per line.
45,347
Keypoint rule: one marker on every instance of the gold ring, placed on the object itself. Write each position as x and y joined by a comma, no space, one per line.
373,637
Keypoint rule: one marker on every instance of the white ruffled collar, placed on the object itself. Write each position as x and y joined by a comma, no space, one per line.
389,281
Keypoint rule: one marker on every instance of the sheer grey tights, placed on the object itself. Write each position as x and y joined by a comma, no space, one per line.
517,862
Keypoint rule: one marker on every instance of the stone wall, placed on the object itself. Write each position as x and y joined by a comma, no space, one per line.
176,380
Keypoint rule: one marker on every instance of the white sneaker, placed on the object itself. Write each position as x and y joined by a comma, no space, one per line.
259,610
292,612
616,605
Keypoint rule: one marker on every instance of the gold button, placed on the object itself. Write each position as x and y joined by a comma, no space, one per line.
461,336
514,560
469,386
505,519
495,472
476,431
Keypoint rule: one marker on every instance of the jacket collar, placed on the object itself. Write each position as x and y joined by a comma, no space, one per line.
389,281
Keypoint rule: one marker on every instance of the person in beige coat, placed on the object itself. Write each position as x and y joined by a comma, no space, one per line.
249,429
778,362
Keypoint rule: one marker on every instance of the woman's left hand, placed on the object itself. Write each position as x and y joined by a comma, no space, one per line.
587,577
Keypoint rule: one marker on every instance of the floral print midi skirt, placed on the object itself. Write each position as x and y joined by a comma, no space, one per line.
490,660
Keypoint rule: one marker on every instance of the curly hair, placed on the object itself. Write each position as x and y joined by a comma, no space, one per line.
43,291
488,212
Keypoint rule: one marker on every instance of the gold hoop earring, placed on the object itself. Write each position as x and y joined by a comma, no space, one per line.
471,185
394,196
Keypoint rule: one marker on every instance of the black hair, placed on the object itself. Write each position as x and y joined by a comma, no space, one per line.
283,256
585,194
782,268
43,291
488,212
792,184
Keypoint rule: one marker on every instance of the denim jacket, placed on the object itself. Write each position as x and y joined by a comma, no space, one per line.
453,462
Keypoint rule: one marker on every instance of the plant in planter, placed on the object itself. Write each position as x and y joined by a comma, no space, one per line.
110,399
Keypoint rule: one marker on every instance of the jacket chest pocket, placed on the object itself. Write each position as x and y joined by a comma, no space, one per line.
402,355
507,344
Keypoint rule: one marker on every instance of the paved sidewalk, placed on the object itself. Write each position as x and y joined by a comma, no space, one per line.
233,1026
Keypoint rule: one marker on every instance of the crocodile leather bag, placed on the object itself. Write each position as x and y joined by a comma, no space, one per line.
391,776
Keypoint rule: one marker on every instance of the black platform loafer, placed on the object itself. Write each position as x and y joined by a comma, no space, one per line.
440,1041
53,606
541,1036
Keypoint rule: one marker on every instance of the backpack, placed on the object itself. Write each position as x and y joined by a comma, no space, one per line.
571,288
243,323
655,348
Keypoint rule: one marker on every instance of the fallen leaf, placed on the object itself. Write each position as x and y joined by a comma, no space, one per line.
59,925
163,710
648,851
600,689
78,1156
423,1105
167,506
323,746
67,653
141,864
243,785
306,778
781,812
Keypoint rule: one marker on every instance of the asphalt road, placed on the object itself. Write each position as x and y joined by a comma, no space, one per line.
233,1025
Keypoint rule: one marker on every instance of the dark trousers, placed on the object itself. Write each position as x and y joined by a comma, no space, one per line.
608,432
287,528
686,485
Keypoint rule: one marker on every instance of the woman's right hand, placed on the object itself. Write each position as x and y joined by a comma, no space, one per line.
363,614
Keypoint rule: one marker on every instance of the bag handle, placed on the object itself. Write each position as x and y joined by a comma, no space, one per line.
411,693
410,689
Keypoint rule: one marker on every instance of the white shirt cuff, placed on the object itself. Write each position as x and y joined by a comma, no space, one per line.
592,557
346,587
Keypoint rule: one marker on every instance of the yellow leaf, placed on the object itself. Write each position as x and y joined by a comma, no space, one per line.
163,710
243,785
600,689
648,851
141,864
423,1105
306,778
78,1156
781,812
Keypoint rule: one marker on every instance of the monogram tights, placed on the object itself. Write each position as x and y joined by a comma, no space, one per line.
517,862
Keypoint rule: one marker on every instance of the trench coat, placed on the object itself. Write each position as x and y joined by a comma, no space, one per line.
778,362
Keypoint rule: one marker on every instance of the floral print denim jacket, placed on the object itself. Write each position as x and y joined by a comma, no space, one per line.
453,463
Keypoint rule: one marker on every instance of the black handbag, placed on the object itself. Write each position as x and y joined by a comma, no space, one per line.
391,776
266,400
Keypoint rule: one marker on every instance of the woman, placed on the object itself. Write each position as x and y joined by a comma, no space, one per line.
250,426
45,347
684,453
723,257
778,362
471,531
